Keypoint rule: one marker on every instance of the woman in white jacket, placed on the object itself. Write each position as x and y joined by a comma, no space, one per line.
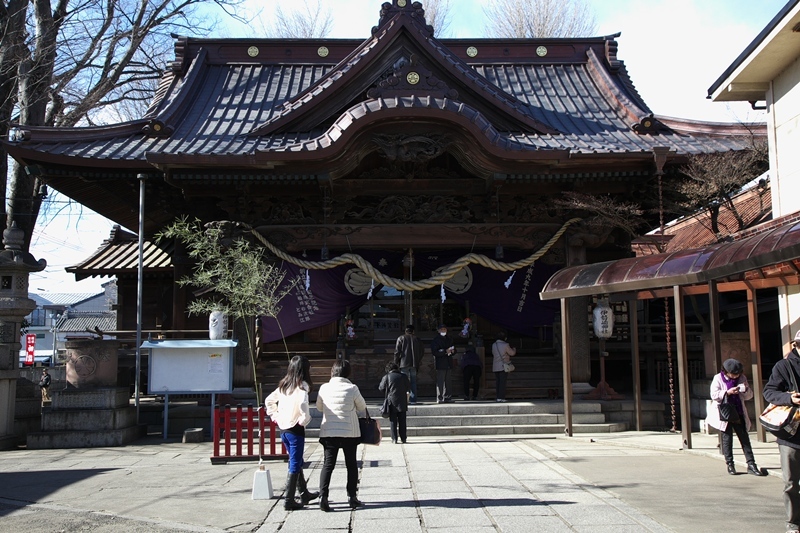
731,382
341,404
288,407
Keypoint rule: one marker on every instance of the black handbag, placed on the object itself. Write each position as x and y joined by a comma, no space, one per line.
370,430
728,412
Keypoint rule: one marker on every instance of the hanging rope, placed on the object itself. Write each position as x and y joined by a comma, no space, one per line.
405,285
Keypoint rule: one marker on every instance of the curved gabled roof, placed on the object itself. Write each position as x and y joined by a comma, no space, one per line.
258,103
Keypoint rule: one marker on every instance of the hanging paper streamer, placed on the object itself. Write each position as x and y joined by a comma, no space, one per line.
508,281
443,296
371,287
351,330
308,279
465,329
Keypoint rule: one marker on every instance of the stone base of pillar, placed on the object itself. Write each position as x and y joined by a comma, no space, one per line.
581,389
8,442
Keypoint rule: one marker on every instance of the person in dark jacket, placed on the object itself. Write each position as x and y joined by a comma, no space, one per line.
408,352
443,349
396,386
780,390
44,383
471,368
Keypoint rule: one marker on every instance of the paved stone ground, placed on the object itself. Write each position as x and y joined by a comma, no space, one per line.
629,482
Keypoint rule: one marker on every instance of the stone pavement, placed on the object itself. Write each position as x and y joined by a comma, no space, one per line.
621,482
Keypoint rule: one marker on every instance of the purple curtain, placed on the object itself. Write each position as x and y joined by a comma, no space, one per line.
513,304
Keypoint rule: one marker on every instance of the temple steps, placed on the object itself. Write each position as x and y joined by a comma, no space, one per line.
492,418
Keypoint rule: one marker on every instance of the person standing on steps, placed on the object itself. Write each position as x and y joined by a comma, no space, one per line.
443,349
396,387
288,407
472,368
408,354
341,405
502,353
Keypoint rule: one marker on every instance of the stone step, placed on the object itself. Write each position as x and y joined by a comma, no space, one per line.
522,429
84,439
90,419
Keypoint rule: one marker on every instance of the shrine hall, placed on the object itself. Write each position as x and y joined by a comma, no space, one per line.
411,153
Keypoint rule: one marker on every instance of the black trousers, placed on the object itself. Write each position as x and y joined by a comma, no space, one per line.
744,440
500,379
331,447
472,374
397,418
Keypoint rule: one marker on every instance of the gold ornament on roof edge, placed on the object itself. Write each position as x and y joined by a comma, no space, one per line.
412,78
401,3
323,51
252,51
472,51
541,51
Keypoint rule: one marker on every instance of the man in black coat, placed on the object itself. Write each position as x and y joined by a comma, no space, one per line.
396,386
781,389
443,350
408,352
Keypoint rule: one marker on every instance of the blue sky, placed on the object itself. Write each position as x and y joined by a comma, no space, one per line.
674,50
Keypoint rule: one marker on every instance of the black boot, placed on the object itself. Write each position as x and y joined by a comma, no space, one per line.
323,502
731,469
289,503
305,495
753,469
354,502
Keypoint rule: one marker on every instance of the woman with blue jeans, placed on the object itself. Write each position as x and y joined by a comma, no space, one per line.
288,407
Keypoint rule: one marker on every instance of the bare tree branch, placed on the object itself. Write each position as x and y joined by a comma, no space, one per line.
529,19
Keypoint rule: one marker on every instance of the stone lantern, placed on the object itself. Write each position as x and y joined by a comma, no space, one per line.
15,268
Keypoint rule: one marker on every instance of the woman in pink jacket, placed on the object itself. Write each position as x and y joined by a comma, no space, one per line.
731,382
288,407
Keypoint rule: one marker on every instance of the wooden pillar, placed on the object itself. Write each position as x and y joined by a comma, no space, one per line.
683,368
713,317
637,381
755,361
566,362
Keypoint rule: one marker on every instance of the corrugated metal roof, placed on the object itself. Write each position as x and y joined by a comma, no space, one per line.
83,321
780,244
65,299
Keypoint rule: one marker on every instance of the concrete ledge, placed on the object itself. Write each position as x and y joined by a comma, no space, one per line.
193,435
84,439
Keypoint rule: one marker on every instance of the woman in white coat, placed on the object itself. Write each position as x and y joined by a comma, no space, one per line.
341,404
731,382
288,407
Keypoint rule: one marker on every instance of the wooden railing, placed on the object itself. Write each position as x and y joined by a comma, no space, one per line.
239,435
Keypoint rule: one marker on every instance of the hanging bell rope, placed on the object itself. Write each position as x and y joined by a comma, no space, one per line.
444,274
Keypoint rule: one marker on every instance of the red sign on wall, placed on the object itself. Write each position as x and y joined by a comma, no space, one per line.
30,346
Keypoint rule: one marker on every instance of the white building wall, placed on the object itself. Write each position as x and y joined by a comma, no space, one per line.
783,121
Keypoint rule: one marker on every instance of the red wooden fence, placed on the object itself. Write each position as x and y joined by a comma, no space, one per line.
237,436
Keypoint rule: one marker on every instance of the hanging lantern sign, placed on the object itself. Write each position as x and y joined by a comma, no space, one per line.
603,321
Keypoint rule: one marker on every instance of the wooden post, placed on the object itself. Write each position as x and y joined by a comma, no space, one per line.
633,317
683,368
566,362
755,362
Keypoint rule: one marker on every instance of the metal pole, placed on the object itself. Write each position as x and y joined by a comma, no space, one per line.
139,292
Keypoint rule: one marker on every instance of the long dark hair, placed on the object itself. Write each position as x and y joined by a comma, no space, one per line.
299,370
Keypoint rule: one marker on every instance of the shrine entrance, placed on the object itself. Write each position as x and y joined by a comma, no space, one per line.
384,316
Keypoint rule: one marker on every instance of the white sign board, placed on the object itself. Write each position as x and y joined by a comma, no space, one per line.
190,366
